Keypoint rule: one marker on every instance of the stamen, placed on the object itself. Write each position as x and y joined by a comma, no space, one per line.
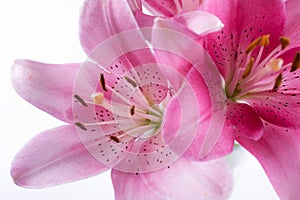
278,82
132,110
248,68
110,122
253,45
130,81
102,82
128,101
80,125
80,100
265,40
285,41
115,138
296,62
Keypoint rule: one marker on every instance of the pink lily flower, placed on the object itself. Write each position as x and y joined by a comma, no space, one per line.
257,53
117,106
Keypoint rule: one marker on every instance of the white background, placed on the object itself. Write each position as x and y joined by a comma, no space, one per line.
47,31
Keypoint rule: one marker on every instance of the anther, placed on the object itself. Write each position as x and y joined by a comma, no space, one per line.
80,100
253,45
80,125
115,138
278,82
265,40
102,82
132,110
130,81
285,41
248,68
296,62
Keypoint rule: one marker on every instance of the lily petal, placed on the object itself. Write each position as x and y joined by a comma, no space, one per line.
243,121
278,151
192,180
101,19
46,86
183,67
277,108
223,146
166,8
54,157
292,27
244,21
128,186
197,22
169,8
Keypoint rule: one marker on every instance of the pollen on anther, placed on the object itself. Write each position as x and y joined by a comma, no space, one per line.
278,82
80,100
253,45
130,81
80,125
296,62
102,82
132,110
285,41
265,40
115,138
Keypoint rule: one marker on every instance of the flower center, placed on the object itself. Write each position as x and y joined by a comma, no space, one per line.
137,116
120,116
258,73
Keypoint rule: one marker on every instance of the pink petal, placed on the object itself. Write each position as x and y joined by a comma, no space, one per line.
135,4
101,19
46,86
128,186
189,5
278,151
177,56
244,21
192,180
54,157
169,8
278,108
223,147
197,70
212,111
292,27
243,121
197,22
